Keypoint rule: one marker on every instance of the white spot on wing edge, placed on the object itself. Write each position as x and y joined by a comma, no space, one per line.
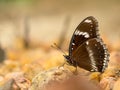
87,42
87,36
77,32
84,33
73,43
72,48
88,21
80,33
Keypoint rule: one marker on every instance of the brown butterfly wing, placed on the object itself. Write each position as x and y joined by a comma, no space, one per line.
92,55
86,30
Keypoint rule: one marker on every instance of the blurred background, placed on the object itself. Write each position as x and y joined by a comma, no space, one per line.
46,20
28,28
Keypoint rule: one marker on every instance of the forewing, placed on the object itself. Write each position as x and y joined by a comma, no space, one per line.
92,55
86,30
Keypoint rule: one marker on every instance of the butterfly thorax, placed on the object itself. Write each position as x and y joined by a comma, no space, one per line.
69,60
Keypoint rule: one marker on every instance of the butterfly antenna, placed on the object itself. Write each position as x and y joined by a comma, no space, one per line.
58,48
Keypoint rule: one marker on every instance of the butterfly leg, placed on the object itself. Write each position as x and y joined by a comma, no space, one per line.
62,65
76,71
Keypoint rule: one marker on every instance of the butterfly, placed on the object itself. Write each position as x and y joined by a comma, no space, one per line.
86,49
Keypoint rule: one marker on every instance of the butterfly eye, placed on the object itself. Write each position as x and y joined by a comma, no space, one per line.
66,57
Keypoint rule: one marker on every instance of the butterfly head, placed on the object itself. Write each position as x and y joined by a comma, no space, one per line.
67,58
